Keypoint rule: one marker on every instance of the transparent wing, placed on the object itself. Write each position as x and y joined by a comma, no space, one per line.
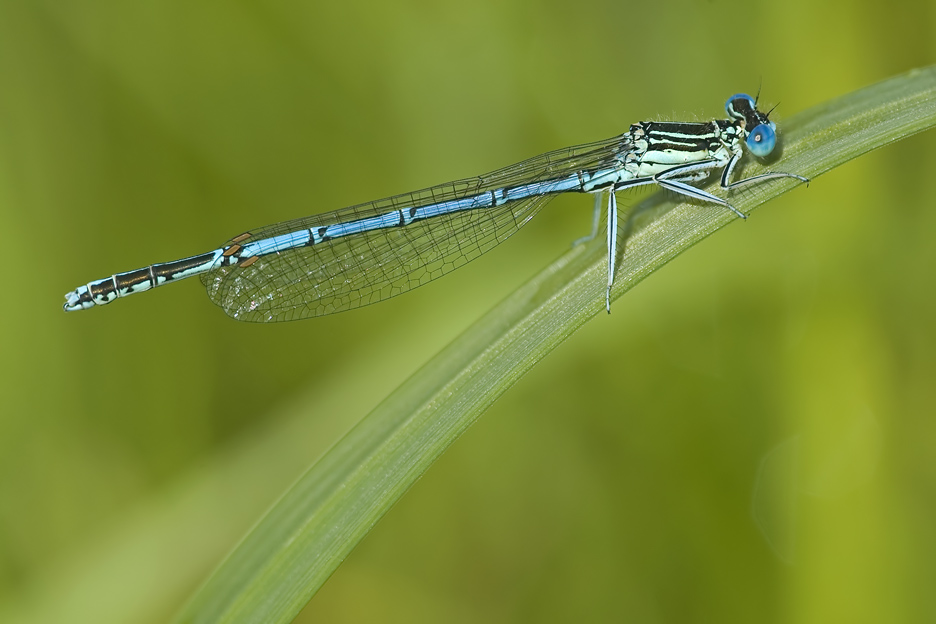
364,268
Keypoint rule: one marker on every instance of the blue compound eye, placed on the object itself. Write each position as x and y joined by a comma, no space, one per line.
732,111
762,140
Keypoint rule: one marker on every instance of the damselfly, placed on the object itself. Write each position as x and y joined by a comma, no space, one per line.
363,254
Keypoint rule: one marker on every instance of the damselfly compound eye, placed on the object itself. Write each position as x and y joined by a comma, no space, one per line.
732,107
762,140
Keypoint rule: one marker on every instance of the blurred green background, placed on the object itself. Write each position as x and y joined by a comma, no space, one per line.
749,437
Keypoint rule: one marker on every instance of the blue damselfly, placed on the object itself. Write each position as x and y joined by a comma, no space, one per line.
362,254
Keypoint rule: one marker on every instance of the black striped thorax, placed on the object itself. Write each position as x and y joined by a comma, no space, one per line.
661,145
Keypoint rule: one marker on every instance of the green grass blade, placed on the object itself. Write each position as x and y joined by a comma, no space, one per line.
280,565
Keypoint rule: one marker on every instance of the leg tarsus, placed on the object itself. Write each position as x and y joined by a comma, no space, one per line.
736,211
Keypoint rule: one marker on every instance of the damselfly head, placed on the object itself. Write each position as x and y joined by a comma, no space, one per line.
761,132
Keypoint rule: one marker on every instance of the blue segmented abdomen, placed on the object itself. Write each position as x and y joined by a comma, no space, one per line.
363,254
